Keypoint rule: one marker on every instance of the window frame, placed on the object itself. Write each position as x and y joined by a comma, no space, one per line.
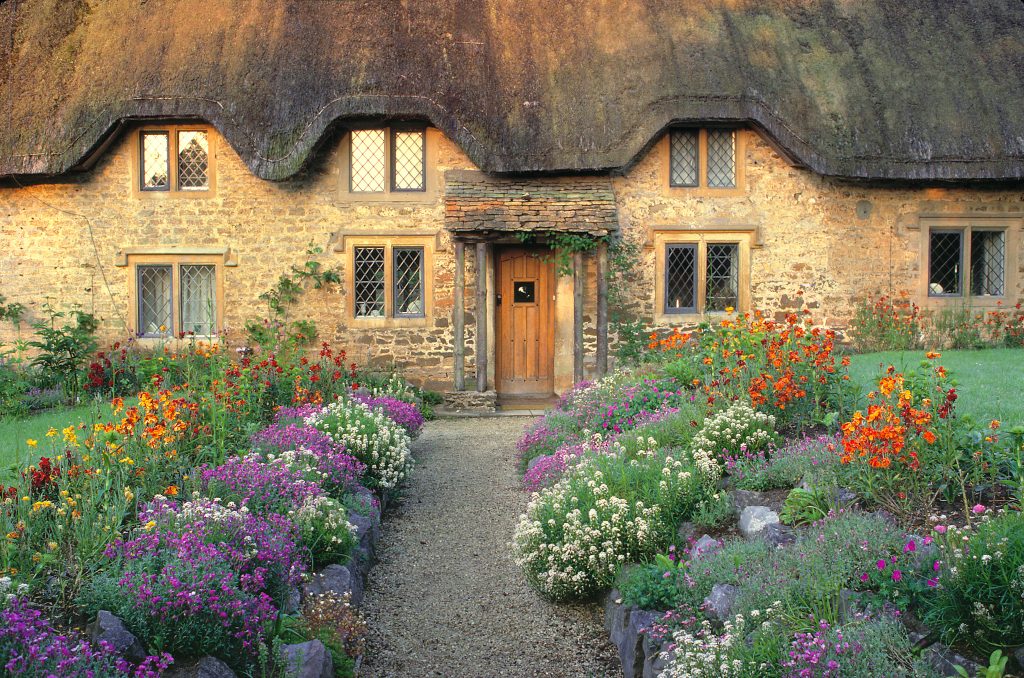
701,188
662,240
681,310
173,190
392,166
395,250
430,191
175,262
1010,225
425,244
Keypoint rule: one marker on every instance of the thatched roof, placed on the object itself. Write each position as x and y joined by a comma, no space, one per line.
900,89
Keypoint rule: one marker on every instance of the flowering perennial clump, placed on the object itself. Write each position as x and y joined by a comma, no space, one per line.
372,437
703,653
403,413
737,429
606,511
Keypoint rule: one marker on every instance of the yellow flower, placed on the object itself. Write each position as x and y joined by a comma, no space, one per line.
729,309
52,546
128,494
40,505
36,557
127,460
52,432
69,435
12,535
31,442
150,525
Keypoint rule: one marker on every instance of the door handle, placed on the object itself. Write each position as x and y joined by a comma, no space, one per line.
497,301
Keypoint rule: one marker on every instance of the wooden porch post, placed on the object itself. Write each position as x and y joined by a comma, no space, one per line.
481,316
602,309
459,318
578,278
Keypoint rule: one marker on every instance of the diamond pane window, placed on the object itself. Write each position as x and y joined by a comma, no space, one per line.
683,158
408,161
945,256
369,282
722,282
368,158
154,300
408,281
155,160
680,278
721,158
198,299
988,263
193,161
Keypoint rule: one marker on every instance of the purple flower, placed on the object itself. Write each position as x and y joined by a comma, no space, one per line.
402,413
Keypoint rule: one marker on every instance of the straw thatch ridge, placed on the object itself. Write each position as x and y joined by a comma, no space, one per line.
872,89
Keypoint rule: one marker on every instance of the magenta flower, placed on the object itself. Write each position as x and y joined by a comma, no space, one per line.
910,547
897,575
880,564
864,577
978,508
932,583
935,566
941,529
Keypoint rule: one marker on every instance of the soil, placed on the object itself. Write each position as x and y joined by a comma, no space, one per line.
445,598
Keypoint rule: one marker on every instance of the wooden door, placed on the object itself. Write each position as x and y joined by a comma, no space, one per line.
525,348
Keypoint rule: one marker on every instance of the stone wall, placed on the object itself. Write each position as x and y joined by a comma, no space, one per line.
824,244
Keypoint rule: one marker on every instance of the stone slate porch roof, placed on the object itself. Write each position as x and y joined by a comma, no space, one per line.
476,203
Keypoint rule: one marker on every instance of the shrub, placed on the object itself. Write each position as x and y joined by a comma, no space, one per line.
887,324
183,596
263,486
30,646
371,437
607,511
958,327
979,600
324,529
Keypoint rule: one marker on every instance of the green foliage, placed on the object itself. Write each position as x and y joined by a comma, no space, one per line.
285,293
980,598
803,507
12,312
563,246
64,348
714,512
996,667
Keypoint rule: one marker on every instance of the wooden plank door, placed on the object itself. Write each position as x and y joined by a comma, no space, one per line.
525,347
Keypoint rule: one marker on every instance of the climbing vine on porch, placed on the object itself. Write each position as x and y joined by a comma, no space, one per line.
563,246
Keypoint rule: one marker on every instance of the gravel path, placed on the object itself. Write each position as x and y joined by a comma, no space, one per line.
445,598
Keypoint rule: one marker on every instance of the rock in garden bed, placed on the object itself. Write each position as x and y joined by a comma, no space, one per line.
625,626
110,629
754,519
335,579
307,660
718,605
207,667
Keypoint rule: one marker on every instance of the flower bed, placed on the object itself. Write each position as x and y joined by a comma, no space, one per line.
834,578
198,541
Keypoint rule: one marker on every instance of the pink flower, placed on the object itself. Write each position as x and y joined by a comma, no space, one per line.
928,540
941,529
880,564
911,546
864,577
935,566
978,508
897,575
932,583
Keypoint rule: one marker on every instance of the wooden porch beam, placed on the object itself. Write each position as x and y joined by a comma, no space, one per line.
459,314
481,316
578,278
602,309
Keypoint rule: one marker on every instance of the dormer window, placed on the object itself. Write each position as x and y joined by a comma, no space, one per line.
387,160
174,159
705,159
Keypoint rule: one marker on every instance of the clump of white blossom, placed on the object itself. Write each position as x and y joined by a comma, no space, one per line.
324,527
736,430
703,653
605,511
371,437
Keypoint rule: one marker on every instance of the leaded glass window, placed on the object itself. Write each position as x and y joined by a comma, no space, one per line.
680,278
408,281
155,161
722,282
193,160
408,160
988,263
369,282
684,157
945,260
368,161
154,294
721,158
198,299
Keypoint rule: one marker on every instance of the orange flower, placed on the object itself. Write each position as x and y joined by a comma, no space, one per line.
171,491
932,355
929,437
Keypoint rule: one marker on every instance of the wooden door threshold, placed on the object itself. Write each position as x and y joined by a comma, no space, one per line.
516,402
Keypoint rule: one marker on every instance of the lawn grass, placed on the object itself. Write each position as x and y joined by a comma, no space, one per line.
990,382
15,451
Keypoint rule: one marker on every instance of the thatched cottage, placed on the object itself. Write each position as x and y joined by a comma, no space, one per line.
163,163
